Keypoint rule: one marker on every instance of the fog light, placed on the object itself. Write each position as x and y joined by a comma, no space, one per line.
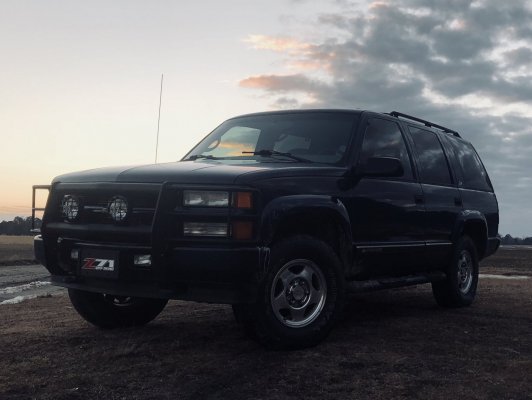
205,229
74,254
118,208
142,260
70,208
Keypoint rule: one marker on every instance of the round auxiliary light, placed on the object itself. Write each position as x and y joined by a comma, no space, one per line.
70,208
118,208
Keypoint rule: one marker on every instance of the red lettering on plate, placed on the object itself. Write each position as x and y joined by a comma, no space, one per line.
89,263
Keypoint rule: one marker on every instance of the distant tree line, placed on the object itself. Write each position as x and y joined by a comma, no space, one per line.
20,226
508,239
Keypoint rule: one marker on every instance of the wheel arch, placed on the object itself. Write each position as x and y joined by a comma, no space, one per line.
323,217
473,223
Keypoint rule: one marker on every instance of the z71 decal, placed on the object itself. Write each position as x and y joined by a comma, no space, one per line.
98,264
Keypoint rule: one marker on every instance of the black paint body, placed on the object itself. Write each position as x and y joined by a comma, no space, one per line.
388,226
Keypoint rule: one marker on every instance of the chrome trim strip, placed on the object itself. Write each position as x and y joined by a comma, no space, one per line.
376,246
399,245
439,244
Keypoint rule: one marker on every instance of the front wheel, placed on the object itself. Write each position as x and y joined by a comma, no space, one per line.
108,311
300,297
460,286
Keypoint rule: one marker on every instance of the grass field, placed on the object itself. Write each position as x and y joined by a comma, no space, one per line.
16,249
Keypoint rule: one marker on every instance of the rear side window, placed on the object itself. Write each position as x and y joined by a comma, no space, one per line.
384,139
473,172
433,167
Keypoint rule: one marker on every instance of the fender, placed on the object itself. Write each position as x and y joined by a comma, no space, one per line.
463,218
282,207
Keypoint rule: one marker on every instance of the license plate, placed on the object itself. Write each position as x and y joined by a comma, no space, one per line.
99,263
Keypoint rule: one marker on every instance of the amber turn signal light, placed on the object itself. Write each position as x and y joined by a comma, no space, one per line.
243,200
242,230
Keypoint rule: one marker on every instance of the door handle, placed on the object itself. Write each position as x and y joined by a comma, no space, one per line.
458,201
419,199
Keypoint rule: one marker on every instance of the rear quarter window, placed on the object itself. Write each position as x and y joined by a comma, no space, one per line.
473,172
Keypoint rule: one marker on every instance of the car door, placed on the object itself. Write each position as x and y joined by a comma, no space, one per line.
441,196
386,212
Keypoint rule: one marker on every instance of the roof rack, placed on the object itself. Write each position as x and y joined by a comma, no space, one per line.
426,123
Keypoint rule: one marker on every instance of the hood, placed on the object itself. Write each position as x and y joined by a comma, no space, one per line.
196,172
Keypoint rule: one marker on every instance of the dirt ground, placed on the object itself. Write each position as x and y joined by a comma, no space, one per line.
391,345
16,250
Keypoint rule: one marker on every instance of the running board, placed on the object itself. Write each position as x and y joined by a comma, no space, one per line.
395,282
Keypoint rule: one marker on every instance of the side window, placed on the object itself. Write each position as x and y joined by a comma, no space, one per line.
433,167
384,139
475,176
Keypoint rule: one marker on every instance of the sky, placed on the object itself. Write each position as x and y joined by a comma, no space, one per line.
79,81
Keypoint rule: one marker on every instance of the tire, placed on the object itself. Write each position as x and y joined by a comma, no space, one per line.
108,312
300,297
460,286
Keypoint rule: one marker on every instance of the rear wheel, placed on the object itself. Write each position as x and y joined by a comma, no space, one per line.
460,286
108,311
300,297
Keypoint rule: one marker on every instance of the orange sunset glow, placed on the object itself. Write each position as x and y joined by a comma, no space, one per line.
80,80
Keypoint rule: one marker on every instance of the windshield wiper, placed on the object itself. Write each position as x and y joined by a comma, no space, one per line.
198,156
269,153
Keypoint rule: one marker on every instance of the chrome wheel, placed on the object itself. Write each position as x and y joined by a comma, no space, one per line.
298,293
465,271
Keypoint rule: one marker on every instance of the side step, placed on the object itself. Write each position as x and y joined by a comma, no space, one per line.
394,282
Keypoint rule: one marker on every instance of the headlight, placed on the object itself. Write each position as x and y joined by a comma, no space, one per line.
205,229
205,198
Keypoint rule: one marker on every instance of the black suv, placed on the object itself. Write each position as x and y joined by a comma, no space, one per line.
279,214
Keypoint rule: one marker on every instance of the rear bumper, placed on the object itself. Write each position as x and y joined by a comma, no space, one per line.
493,245
205,274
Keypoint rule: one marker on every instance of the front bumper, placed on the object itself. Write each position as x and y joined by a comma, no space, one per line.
205,274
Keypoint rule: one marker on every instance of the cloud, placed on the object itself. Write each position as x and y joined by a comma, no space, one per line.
264,42
282,83
464,64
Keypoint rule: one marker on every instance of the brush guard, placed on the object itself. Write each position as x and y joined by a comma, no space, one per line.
34,208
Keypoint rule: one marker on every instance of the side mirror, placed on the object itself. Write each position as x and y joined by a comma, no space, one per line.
382,166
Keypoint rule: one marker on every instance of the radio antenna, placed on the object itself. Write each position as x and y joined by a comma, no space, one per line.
159,119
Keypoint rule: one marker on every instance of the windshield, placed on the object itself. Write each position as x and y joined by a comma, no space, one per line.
320,137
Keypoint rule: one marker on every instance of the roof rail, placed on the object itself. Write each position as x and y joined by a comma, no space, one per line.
426,123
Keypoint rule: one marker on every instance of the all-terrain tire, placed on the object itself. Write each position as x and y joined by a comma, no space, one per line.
108,312
460,286
301,296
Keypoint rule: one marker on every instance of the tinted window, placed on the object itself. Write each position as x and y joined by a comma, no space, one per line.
234,142
384,139
293,144
318,137
432,163
473,172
